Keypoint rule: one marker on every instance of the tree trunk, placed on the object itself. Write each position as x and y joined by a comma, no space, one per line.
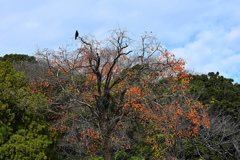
107,148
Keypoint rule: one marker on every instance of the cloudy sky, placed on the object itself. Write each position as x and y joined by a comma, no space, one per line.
205,33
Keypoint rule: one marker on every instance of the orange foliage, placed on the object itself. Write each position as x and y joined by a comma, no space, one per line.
111,93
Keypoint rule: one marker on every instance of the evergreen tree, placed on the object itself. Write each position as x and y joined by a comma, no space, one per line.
217,92
221,97
24,133
18,58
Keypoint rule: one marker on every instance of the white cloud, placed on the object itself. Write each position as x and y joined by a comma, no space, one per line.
213,50
205,33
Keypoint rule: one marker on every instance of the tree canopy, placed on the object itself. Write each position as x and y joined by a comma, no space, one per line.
18,58
23,129
104,89
117,98
218,92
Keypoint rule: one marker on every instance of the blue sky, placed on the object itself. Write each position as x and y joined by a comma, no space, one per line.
205,33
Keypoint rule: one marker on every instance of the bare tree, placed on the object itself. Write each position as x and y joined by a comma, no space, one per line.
221,141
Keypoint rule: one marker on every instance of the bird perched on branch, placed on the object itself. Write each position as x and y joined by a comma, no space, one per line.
76,34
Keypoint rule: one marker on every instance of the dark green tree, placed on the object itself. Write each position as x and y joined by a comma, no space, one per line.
24,133
217,92
221,96
18,58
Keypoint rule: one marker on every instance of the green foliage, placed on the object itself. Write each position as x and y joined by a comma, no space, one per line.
18,58
26,144
24,133
136,158
217,92
95,158
122,155
221,96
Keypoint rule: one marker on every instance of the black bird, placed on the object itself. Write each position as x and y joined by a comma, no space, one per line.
76,35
